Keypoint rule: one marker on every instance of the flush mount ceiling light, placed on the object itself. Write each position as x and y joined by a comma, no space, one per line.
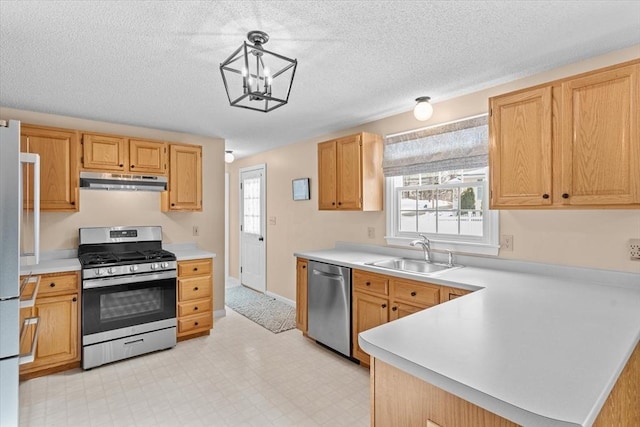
256,78
423,109
229,157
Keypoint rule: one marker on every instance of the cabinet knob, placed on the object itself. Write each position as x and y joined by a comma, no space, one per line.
73,203
304,266
133,166
196,323
413,294
173,204
195,289
74,299
339,203
565,195
195,308
368,283
384,305
121,165
52,284
545,196
195,268
394,308
333,203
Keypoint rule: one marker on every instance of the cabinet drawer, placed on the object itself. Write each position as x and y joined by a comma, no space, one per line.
58,283
195,288
194,307
198,267
370,282
447,293
194,323
415,292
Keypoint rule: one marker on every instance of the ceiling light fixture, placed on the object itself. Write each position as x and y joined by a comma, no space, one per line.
229,157
423,109
256,78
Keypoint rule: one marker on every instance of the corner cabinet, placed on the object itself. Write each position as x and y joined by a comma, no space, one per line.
185,179
195,298
59,155
350,173
113,153
571,143
301,294
58,307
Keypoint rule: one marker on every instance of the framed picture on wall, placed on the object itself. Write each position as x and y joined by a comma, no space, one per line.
301,189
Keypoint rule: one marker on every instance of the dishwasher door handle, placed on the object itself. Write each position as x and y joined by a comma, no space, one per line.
328,275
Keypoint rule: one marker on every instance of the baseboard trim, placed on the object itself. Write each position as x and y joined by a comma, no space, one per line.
219,313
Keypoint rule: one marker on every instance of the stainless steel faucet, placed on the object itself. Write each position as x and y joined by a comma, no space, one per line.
426,246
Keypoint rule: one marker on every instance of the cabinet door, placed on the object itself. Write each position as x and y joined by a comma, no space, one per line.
520,149
447,293
104,152
301,294
399,310
327,175
147,156
58,150
185,177
368,312
349,166
58,335
600,142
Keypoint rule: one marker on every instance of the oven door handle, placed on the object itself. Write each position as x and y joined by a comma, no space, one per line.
123,280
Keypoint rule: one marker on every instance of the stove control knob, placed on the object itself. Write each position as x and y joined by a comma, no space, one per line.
133,268
111,270
99,272
165,265
155,266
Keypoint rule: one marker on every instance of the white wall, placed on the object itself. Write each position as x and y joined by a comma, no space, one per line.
59,230
591,238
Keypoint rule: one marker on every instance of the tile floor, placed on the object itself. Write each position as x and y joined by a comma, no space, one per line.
241,375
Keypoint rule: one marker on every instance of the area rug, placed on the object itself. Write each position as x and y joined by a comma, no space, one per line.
264,310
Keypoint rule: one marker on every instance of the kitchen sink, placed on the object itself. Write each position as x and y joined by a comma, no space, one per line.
413,265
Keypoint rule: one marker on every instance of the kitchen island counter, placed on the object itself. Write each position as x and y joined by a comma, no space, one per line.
540,346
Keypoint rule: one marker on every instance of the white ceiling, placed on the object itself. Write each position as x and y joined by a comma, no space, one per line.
155,63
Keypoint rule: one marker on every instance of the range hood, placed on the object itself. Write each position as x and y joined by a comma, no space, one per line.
122,182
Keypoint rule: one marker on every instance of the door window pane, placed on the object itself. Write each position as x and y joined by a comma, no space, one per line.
251,203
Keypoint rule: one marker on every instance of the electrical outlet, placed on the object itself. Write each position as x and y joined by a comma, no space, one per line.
506,242
634,249
196,230
371,232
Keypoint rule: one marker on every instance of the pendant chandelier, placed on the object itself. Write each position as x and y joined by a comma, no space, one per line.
256,78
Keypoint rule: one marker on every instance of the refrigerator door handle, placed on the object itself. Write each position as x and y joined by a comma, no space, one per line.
34,159
31,355
30,302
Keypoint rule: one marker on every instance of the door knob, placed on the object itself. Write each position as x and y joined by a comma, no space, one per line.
261,239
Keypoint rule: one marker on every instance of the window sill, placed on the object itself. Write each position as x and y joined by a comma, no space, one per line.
448,245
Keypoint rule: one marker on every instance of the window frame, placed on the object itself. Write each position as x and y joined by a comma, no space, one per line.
487,244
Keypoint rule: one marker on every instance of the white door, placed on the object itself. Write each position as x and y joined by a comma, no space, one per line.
252,228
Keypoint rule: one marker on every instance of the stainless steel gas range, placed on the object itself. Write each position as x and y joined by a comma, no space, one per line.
128,293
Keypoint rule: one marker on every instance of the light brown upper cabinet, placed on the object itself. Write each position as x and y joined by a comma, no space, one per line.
185,179
571,143
59,155
121,154
350,173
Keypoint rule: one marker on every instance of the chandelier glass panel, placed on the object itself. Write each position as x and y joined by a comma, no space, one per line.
256,78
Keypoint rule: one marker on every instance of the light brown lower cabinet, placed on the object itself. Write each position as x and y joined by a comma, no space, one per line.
195,298
400,399
301,294
58,307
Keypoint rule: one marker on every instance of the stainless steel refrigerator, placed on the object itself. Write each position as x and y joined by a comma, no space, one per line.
11,224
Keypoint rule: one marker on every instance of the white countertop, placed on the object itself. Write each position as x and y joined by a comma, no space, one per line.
67,260
533,348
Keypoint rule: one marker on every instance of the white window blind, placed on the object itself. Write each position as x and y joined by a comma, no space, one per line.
457,145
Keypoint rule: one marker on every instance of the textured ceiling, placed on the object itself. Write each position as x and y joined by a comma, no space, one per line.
155,63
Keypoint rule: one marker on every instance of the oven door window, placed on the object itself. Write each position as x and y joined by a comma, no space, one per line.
120,306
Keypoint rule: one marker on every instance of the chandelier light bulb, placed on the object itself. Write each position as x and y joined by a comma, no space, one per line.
229,157
423,109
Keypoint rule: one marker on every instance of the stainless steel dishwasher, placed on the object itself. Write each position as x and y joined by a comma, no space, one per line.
329,306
